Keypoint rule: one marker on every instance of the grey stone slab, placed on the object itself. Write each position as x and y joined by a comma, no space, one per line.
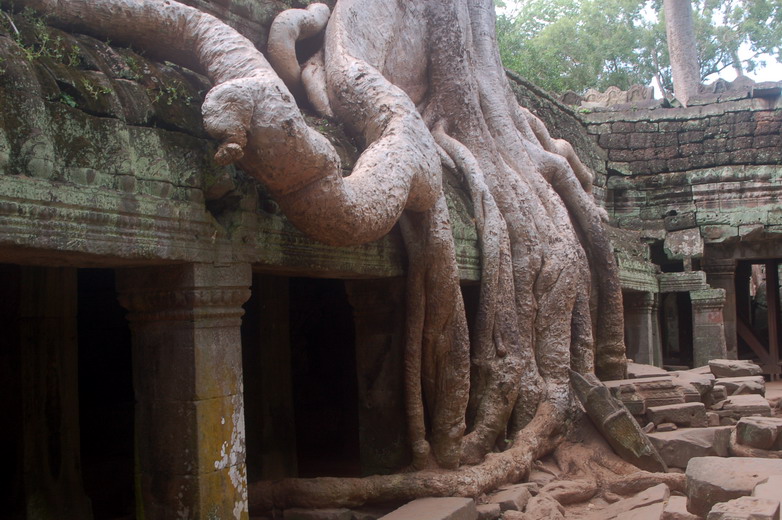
743,385
745,508
676,509
435,509
489,511
511,498
764,433
733,368
691,415
677,447
711,480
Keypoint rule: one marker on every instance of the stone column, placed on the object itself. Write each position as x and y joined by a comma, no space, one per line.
721,274
46,362
187,370
708,331
642,328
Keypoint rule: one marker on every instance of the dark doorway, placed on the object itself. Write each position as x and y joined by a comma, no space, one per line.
106,398
676,324
325,391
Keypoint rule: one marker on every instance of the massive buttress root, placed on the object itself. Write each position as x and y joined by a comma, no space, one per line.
422,86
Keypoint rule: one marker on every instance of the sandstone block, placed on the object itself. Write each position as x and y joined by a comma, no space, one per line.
760,432
676,509
738,406
688,415
733,368
701,382
715,395
743,385
667,427
770,488
317,514
435,509
745,508
640,370
644,505
511,498
712,419
489,511
711,480
677,447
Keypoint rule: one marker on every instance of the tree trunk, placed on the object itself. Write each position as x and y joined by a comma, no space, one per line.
422,86
682,48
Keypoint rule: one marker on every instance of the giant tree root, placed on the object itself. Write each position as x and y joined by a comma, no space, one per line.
421,87
539,438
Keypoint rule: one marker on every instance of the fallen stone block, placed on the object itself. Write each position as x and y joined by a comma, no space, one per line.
702,383
764,433
686,415
511,498
712,419
317,514
639,394
677,447
770,488
738,406
745,508
435,509
489,511
733,368
743,385
645,504
666,427
716,395
711,480
676,509
640,370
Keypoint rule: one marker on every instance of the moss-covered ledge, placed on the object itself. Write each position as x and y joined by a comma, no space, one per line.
104,161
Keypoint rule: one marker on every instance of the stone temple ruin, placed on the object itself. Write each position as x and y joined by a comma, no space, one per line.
169,336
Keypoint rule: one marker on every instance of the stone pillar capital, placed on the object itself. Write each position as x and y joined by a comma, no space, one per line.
708,298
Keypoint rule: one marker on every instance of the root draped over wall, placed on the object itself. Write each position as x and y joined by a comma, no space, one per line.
422,86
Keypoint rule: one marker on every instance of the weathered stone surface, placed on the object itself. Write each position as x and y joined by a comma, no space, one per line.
489,511
686,243
667,427
679,446
639,394
688,415
745,508
733,368
770,488
743,385
435,509
703,383
764,433
711,480
640,370
676,509
738,406
317,514
648,504
511,498
616,424
715,395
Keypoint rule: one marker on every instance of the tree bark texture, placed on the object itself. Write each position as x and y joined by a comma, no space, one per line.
422,87
682,48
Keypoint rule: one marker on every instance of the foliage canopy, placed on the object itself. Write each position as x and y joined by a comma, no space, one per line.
579,44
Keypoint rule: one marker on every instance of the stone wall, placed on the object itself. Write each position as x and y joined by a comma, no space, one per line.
714,167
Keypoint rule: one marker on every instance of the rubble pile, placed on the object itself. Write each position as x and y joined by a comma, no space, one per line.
715,424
